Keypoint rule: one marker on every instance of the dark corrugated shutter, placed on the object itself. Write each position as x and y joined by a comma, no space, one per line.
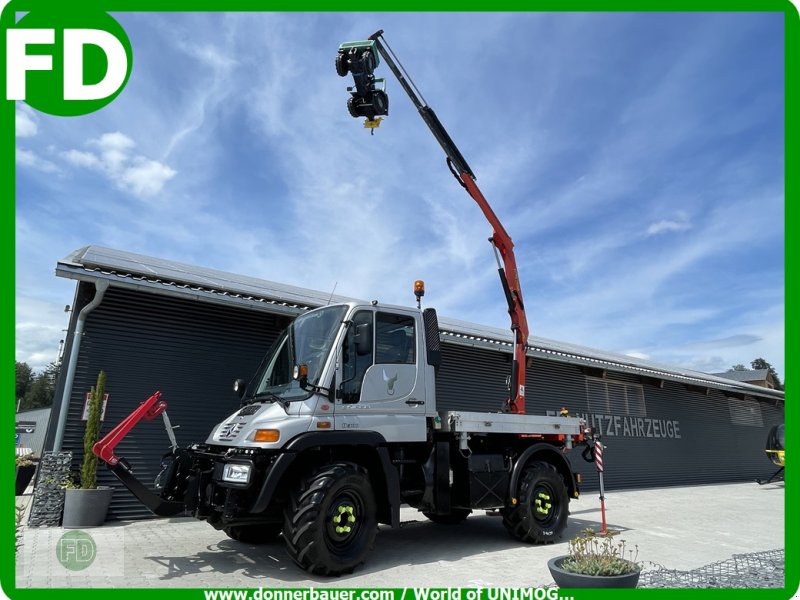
190,351
722,439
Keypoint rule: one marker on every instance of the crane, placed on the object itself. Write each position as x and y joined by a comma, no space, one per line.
368,99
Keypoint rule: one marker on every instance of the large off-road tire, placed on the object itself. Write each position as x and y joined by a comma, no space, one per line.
331,521
380,102
540,515
352,107
254,534
341,64
456,516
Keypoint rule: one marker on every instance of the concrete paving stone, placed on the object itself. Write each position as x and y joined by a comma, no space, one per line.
678,528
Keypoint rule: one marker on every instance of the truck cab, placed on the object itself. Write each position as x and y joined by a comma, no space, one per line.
344,367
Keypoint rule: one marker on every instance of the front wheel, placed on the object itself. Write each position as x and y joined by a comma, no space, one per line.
331,520
352,107
540,514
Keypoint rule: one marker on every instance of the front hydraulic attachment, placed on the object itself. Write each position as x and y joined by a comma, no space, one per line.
104,449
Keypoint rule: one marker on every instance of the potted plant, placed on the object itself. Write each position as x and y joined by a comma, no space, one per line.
596,561
25,468
86,505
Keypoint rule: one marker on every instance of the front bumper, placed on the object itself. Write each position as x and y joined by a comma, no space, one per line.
201,478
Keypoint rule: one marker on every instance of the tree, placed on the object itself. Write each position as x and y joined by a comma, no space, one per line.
92,434
39,393
24,379
739,367
760,363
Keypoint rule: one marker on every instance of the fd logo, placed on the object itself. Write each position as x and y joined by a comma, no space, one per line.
67,64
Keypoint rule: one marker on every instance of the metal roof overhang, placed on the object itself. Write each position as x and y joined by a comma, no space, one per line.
207,285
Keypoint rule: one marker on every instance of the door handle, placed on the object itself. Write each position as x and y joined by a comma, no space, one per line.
413,402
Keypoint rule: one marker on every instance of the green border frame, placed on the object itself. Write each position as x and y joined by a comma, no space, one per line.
792,117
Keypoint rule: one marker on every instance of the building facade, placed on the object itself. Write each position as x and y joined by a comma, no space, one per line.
188,332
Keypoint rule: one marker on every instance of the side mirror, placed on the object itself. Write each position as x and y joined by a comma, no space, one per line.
240,387
301,375
363,339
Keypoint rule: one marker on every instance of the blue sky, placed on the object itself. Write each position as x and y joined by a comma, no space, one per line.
637,160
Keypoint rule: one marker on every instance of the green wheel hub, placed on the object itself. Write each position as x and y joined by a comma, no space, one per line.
542,503
344,519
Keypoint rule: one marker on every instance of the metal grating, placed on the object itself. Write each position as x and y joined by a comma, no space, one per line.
754,570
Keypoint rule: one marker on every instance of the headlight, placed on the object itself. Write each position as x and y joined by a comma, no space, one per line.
236,473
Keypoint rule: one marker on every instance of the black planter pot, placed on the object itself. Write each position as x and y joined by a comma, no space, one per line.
24,476
566,579
86,508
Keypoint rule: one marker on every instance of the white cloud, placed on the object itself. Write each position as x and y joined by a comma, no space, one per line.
25,121
81,159
39,326
664,226
145,177
136,174
28,158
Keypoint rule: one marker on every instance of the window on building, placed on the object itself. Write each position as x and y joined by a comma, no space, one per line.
745,412
606,396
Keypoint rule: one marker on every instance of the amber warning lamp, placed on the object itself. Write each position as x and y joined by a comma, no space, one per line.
419,291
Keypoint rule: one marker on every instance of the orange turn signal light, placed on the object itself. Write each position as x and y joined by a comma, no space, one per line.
323,424
267,435
419,287
301,371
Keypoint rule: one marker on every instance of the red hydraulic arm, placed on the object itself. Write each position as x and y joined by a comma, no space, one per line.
147,410
500,240
104,449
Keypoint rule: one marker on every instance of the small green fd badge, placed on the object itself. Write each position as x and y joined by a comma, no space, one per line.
76,550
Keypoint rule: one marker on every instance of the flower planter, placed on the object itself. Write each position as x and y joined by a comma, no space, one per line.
567,579
23,478
86,508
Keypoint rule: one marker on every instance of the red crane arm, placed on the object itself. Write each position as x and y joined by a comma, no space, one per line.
501,241
509,277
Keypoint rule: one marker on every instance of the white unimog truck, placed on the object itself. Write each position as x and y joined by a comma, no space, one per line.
339,426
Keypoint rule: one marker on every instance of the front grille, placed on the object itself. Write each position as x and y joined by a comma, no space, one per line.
229,431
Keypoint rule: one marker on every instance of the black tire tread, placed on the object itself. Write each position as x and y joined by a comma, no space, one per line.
518,520
302,519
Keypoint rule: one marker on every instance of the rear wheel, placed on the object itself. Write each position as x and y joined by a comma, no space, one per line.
331,520
540,515
368,60
380,102
456,516
254,534
341,64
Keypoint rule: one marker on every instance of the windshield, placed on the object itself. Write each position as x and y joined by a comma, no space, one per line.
308,341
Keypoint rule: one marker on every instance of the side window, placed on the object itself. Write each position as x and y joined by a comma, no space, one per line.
395,341
354,366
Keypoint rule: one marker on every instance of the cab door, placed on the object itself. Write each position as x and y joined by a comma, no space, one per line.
382,389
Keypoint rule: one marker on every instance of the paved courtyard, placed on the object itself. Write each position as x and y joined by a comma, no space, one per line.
679,528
